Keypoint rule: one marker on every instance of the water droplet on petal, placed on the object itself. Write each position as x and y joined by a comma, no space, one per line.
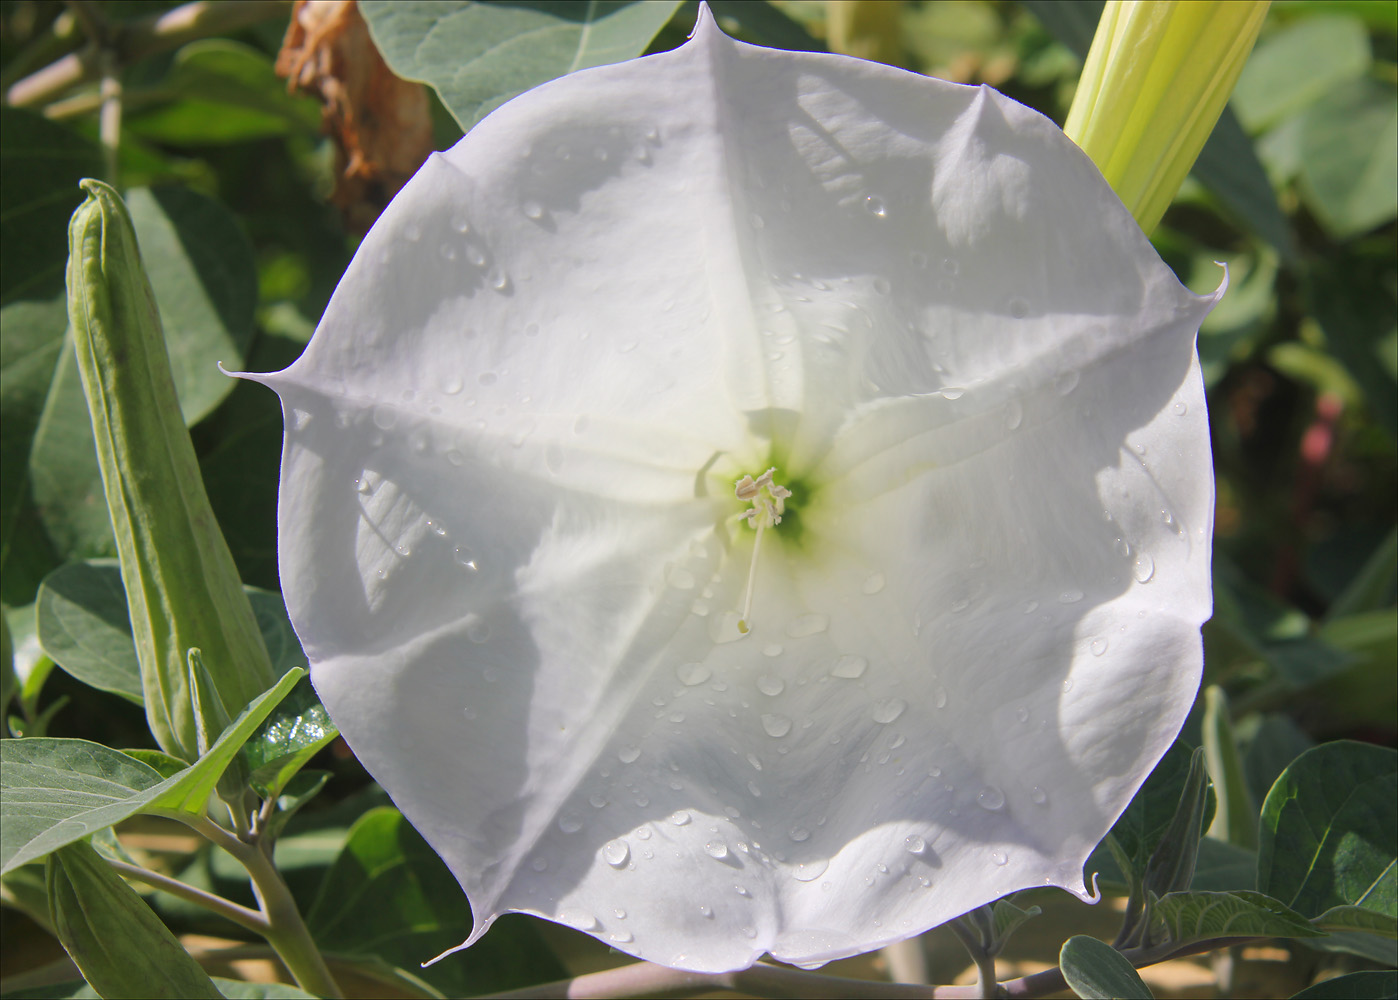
888,709
770,686
776,726
681,578
692,674
628,754
539,865
874,583
716,849
914,844
809,871
804,625
1067,382
1038,796
680,818
991,798
875,206
569,824
939,697
1098,646
850,667
621,937
1180,408
1014,414
999,857
772,650
800,834
532,210
1070,597
616,853
578,919
1143,568
464,557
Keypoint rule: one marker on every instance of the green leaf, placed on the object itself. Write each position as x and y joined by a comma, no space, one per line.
1372,588
1349,156
119,945
1340,919
1355,986
477,56
1182,917
1172,863
223,92
296,731
1006,918
388,894
56,791
1221,867
84,625
1094,969
1330,830
1272,742
201,268
42,162
1291,68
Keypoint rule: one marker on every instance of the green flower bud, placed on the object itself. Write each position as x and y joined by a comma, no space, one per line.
181,582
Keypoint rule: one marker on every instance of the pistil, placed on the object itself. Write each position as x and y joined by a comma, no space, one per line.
768,500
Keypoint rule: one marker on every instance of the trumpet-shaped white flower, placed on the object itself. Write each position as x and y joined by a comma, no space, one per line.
743,501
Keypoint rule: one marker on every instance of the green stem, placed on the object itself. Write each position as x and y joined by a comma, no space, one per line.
241,915
985,961
286,931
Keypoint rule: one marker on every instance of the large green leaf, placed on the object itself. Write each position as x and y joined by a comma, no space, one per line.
1355,986
1349,156
1094,969
1290,68
201,267
1182,917
120,946
297,729
55,791
1221,867
1347,919
42,163
388,894
84,625
222,91
476,56
1329,830
1150,814
230,989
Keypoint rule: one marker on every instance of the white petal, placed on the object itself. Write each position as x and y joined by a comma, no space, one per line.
507,523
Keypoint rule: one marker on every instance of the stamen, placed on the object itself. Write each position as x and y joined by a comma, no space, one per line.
766,511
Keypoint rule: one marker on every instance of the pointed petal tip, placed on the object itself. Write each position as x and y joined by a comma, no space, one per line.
705,23
268,379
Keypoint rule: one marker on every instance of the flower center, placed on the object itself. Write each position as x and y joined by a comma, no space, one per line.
768,500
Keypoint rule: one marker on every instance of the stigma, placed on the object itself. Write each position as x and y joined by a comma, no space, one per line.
768,502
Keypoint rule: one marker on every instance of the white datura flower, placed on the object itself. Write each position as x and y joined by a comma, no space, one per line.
743,501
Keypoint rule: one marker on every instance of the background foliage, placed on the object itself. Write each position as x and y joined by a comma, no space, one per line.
233,190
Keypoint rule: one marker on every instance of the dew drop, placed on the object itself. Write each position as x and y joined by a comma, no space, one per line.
959,606
1122,547
1098,646
1067,685
716,849
384,418
939,697
914,844
1180,408
1019,308
1143,568
578,919
619,913
621,937
771,686
532,210
616,853
873,583
888,709
1030,607
754,790
799,834
772,650
850,667
1014,414
681,578
749,932
991,798
952,392
809,871
804,625
1038,796
475,255
680,818
1022,714
628,754
692,674
464,557
477,630
569,824
951,266
1070,597
1067,382
882,286
539,865
875,206
999,857
776,726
